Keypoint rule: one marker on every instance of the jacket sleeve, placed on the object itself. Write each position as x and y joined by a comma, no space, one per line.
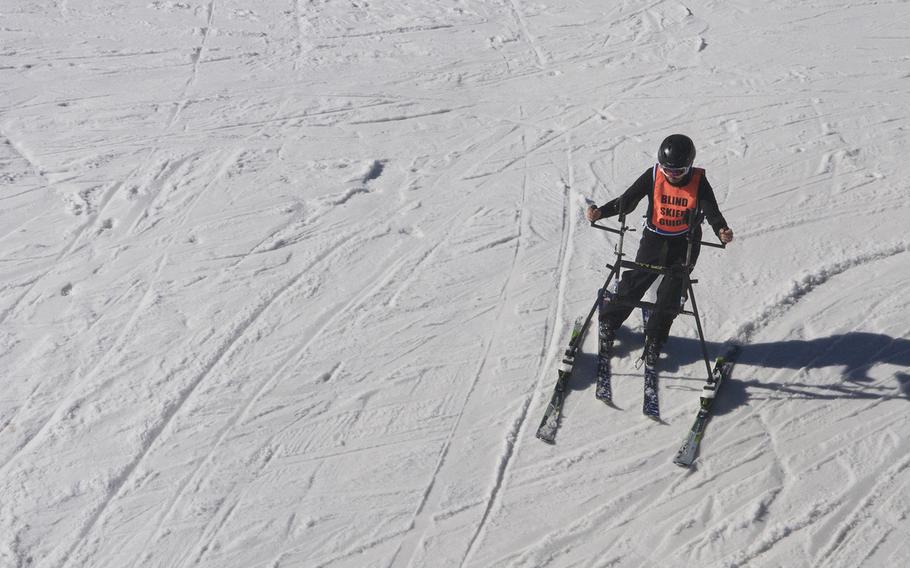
709,206
630,199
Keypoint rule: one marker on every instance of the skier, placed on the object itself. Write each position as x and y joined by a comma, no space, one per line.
674,188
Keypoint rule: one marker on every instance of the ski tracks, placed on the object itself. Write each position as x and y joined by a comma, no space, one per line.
70,245
549,350
420,523
196,61
151,435
336,314
421,520
505,457
64,254
417,261
808,282
171,410
520,18
301,24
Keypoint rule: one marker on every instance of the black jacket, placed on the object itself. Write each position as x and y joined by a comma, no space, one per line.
644,187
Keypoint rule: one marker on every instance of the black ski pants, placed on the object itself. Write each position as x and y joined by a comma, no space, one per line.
657,250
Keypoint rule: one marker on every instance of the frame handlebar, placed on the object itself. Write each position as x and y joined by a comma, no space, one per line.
620,231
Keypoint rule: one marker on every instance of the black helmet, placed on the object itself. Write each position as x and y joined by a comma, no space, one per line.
676,151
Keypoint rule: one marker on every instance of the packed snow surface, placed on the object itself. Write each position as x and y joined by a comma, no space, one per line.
286,283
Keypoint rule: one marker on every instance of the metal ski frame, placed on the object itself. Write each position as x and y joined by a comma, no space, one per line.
682,270
614,272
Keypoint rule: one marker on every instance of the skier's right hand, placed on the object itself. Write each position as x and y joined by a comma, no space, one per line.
593,213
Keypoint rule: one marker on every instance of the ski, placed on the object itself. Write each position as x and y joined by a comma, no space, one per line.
604,391
723,365
606,338
550,422
650,404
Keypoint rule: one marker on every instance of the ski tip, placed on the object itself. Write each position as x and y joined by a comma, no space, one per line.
684,465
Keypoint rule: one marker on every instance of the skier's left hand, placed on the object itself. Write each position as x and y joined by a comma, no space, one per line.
726,235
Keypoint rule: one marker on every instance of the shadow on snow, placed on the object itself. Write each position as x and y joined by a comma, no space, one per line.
852,355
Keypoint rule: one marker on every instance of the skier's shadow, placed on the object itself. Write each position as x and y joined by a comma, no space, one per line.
850,357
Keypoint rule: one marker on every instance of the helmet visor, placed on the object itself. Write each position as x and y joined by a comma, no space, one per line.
670,171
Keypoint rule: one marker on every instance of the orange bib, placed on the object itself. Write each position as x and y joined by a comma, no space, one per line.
672,204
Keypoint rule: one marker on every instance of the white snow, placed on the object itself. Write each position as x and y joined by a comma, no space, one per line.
286,283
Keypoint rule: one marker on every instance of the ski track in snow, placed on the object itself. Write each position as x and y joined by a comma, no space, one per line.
197,473
196,58
419,522
74,400
31,286
807,283
502,466
361,298
525,32
151,436
211,531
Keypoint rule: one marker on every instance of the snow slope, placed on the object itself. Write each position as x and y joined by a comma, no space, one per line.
285,283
